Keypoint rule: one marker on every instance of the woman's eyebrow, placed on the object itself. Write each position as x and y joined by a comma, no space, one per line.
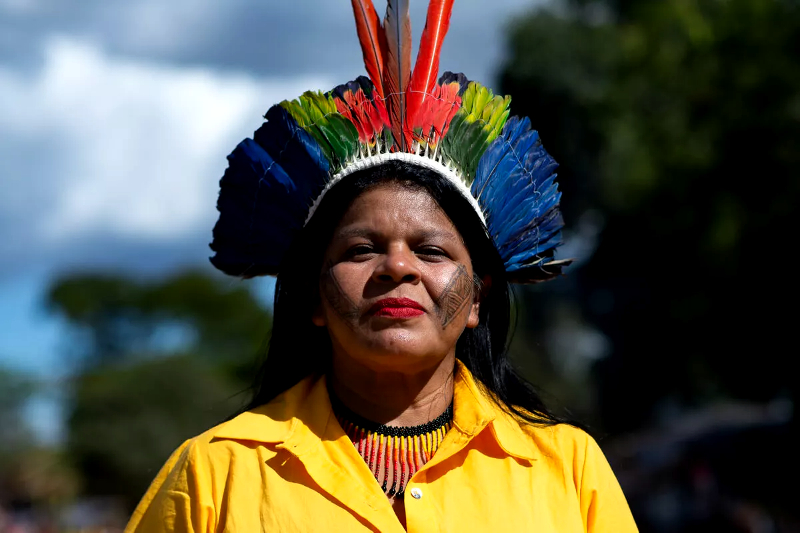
437,234
347,233
425,234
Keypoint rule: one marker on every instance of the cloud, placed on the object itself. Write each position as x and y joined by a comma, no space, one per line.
268,38
96,148
115,116
312,37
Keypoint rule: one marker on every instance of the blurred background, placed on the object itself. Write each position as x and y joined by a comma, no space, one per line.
677,126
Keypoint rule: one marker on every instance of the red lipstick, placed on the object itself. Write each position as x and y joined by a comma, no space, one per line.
397,308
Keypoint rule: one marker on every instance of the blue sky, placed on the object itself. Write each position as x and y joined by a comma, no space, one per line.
115,120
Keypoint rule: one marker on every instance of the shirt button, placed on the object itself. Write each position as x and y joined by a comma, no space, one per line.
416,493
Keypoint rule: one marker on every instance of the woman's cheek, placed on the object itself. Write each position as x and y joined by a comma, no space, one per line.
455,296
337,296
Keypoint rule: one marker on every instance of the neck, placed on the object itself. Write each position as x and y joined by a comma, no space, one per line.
393,398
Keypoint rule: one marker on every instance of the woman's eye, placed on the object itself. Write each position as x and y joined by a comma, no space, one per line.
431,251
359,250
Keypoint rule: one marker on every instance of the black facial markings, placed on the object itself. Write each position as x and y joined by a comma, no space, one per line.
341,303
456,294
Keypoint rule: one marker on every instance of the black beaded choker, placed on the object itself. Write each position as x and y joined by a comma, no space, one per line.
343,412
393,453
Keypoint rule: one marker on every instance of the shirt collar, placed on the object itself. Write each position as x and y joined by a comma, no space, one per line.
306,403
306,407
474,411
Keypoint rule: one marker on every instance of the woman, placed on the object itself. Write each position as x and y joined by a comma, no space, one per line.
386,401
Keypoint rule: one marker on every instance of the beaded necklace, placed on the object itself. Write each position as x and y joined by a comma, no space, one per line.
393,454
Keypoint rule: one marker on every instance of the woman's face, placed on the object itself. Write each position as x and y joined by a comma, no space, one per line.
396,284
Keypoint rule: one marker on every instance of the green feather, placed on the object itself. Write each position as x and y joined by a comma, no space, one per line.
478,122
388,140
317,114
297,112
340,132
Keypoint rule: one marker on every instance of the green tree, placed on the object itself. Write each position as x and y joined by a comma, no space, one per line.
115,317
15,390
160,361
127,419
679,122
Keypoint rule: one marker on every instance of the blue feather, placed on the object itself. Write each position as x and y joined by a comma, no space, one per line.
515,185
254,191
547,232
496,160
264,195
510,173
295,150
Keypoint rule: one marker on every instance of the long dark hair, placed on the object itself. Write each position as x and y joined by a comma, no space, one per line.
298,348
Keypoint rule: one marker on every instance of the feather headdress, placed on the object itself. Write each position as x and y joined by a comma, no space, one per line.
459,128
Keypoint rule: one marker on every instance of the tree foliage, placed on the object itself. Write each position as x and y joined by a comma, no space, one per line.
127,419
679,121
15,434
160,361
116,317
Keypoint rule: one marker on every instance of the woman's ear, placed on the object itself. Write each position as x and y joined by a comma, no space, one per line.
482,287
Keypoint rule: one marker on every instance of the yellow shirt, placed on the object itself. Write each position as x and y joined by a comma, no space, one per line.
289,467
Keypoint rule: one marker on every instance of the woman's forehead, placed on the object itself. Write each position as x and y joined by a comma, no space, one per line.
396,205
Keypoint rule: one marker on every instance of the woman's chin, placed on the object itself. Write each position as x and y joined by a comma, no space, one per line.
401,349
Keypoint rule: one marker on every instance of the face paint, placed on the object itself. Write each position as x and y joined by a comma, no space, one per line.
341,304
457,293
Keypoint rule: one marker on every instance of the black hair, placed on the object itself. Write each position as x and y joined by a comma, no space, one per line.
298,348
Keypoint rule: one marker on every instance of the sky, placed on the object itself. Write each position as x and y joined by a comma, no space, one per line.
115,120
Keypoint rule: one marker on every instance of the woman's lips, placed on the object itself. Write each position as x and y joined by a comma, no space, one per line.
397,308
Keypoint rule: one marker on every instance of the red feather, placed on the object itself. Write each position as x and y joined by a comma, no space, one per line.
377,115
397,73
436,112
426,69
372,39
448,102
367,114
348,109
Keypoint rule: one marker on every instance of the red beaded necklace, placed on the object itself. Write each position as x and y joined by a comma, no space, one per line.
392,453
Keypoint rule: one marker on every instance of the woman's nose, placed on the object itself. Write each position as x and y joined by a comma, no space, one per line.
398,265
